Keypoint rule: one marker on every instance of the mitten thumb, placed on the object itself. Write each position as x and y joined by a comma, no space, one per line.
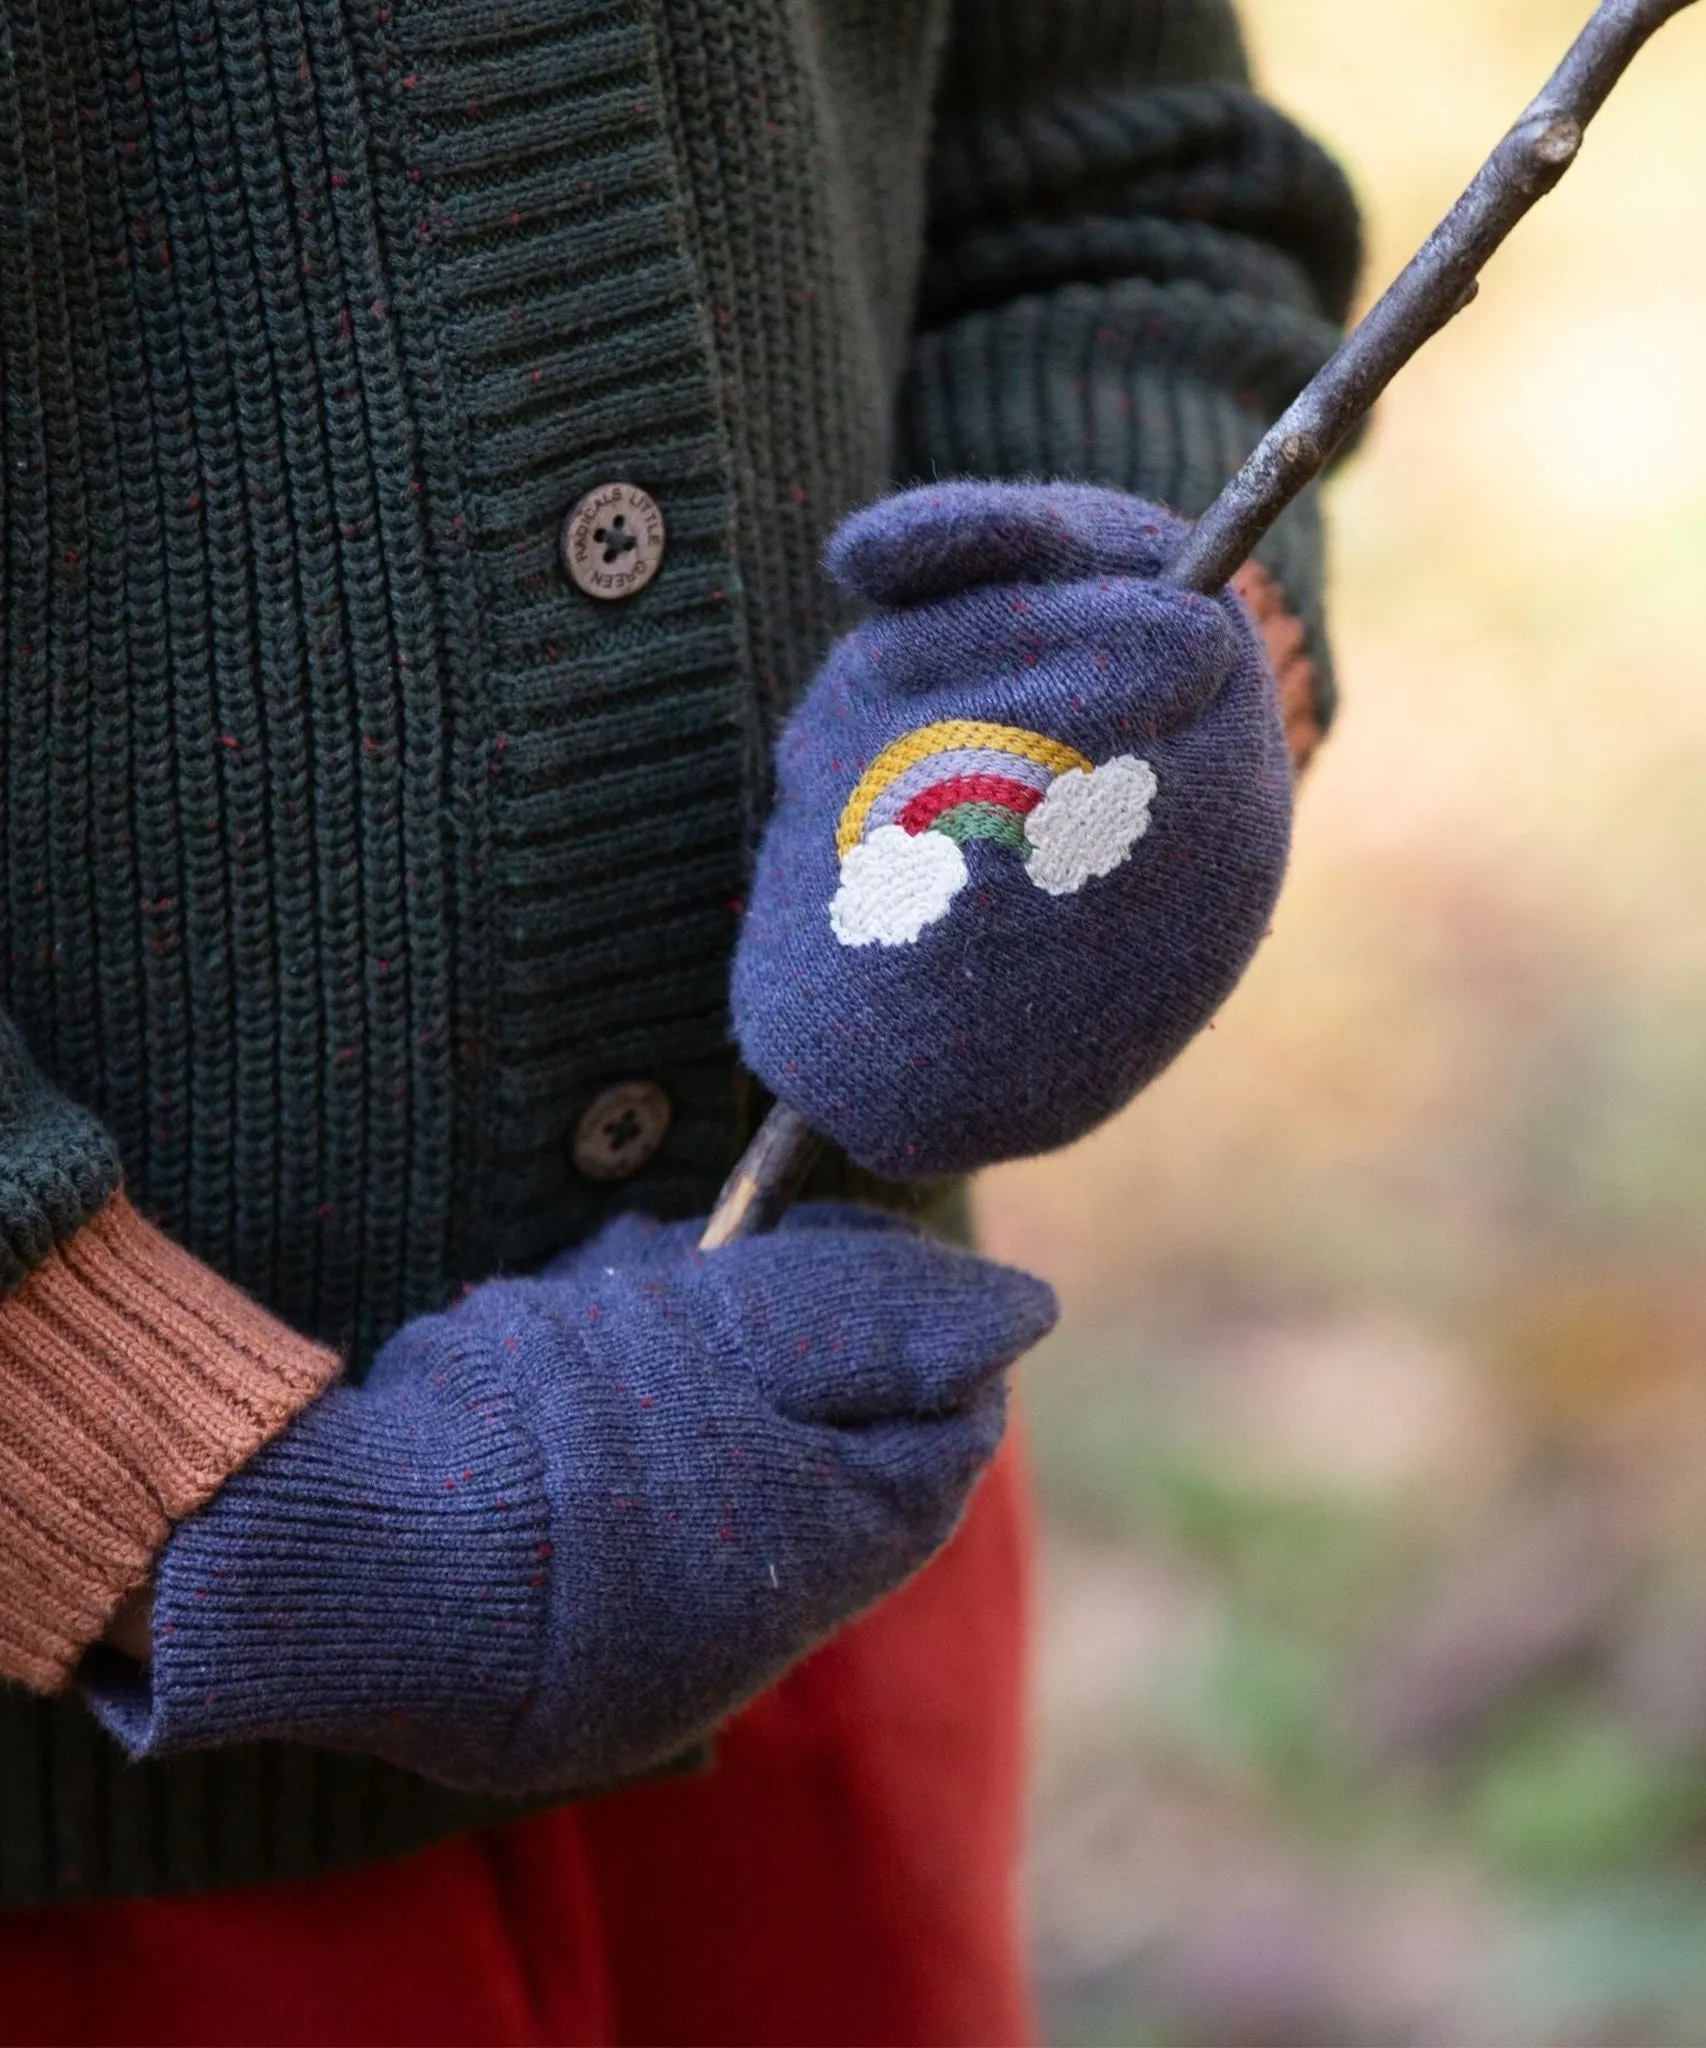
848,1327
943,538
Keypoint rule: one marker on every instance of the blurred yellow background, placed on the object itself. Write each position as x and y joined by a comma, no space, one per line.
1374,1439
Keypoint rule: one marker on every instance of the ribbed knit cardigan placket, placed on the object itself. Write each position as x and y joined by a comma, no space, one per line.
349,850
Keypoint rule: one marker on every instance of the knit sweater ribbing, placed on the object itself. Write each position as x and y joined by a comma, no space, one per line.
348,850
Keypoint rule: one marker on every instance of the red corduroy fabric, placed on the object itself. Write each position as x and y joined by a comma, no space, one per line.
845,1876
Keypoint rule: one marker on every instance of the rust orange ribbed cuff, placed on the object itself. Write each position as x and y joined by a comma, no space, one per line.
1295,673
133,1382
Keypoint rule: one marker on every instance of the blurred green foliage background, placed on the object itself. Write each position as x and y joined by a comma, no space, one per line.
1373,1699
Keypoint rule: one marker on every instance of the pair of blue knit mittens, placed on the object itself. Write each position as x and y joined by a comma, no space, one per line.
1032,819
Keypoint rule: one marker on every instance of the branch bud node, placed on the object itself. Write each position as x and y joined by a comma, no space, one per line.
1558,143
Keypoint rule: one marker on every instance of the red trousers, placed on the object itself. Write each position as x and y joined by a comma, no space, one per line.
845,1875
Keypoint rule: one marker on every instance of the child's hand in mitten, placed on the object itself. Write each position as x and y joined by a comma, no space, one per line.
1031,821
567,1526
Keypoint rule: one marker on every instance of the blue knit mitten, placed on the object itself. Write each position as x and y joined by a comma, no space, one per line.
1031,822
568,1525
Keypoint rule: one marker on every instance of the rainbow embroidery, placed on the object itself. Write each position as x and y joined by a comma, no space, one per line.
903,832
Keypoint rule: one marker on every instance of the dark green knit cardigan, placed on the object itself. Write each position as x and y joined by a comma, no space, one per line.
349,850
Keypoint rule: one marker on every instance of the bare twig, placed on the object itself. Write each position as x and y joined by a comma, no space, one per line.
1440,280
1438,283
771,1172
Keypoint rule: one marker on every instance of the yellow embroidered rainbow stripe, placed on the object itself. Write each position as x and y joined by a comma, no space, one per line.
959,737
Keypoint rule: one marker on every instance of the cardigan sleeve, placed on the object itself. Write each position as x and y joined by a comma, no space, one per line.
133,1380
1133,263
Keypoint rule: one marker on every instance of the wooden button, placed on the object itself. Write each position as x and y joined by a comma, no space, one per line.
612,541
621,1130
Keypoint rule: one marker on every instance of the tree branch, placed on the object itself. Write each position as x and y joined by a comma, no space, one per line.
1433,288
1440,280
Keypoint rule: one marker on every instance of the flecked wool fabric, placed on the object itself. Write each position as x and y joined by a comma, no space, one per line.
569,1525
1031,821
346,851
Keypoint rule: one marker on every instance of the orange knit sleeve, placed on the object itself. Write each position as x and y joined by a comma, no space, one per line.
133,1382
1288,656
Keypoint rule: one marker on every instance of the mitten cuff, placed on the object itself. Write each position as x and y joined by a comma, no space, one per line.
133,1382
375,1580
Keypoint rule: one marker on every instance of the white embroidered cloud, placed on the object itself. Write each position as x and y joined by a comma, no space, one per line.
1088,824
893,885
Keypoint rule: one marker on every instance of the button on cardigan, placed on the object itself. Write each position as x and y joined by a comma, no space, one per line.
350,852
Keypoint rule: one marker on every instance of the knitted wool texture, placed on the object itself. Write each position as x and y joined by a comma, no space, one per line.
1031,822
132,1378
347,851
566,1527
